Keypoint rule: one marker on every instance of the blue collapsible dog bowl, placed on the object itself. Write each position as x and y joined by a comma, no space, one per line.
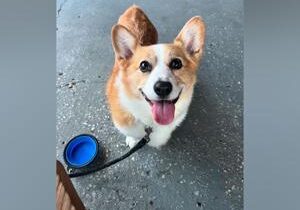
81,151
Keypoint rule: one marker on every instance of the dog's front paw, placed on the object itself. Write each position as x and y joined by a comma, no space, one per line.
156,145
130,141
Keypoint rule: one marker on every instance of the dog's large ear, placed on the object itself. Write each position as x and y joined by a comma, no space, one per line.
124,42
192,37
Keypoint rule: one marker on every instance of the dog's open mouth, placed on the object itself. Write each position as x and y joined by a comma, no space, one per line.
163,111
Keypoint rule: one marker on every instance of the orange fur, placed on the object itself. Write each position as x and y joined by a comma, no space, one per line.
136,21
200,23
140,27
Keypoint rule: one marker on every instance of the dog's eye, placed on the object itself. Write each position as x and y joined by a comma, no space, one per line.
175,63
145,66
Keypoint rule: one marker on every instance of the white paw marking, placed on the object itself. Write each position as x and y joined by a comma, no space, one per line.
131,142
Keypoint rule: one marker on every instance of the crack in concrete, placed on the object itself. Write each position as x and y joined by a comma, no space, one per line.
74,82
71,84
60,7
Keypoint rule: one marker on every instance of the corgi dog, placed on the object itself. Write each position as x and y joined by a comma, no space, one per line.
151,85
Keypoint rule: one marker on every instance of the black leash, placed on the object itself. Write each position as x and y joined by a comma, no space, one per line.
138,146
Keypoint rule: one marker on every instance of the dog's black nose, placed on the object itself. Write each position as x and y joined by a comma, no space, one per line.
162,88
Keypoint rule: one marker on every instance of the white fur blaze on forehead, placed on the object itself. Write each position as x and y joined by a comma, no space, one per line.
161,70
159,51
124,42
192,36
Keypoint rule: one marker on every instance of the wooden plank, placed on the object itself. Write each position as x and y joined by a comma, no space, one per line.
66,195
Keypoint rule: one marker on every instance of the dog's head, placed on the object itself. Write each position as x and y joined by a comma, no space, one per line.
160,74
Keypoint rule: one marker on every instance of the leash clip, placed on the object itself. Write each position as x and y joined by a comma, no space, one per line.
148,131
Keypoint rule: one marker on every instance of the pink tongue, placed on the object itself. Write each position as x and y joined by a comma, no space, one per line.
163,112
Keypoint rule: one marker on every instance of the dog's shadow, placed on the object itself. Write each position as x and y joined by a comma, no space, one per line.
200,128
195,153
200,135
